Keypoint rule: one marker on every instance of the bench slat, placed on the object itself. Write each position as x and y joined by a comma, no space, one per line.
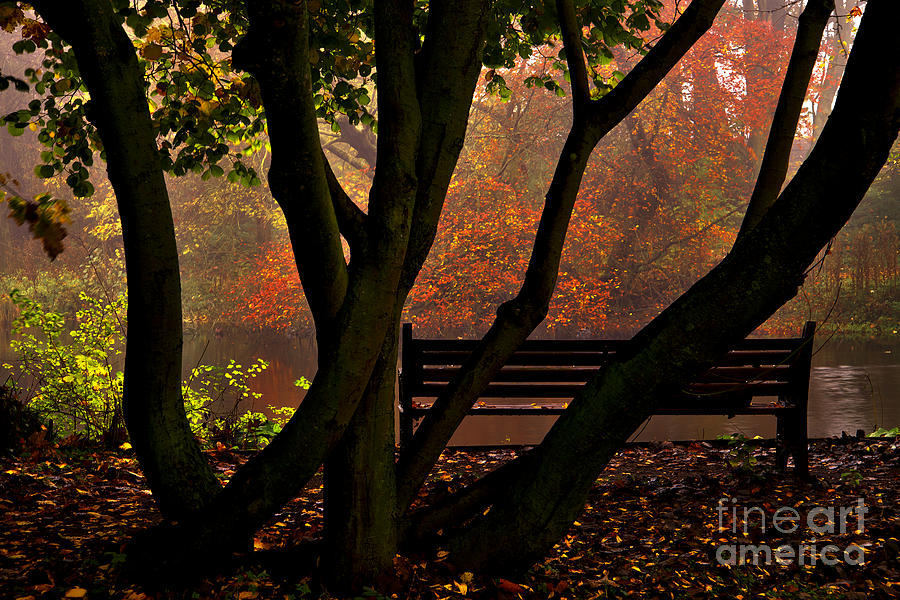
570,390
467,345
540,374
536,411
595,359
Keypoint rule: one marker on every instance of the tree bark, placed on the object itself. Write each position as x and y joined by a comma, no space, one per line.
360,483
762,271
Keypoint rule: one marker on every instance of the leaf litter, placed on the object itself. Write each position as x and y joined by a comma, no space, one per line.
651,528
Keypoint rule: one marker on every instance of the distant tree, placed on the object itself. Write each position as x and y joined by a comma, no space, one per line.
306,59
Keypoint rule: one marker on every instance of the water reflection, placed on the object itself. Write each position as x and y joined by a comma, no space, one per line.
853,385
841,398
288,359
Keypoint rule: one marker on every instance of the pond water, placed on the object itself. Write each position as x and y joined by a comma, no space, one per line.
853,385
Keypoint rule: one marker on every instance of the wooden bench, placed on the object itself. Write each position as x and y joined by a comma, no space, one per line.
760,376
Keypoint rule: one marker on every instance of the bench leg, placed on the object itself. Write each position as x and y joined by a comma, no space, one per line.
781,448
798,443
792,441
801,459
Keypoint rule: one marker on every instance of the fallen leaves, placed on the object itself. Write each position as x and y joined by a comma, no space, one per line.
649,529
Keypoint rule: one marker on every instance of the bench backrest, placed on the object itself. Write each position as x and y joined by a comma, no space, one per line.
559,368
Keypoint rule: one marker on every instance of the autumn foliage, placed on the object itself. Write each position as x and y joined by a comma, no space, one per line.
659,205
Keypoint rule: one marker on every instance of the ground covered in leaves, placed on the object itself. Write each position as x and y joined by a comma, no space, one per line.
659,522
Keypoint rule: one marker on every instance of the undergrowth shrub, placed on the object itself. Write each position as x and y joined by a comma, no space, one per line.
71,378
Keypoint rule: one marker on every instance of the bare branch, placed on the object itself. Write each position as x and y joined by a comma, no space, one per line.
777,156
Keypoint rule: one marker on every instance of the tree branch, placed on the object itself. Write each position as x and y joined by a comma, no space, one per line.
517,318
276,51
571,35
447,71
351,219
355,162
777,156
395,185
363,141
672,46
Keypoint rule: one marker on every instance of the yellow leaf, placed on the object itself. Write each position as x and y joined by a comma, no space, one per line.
443,554
463,588
76,592
125,446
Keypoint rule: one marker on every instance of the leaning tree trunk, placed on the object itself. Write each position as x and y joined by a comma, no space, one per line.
517,318
763,270
177,472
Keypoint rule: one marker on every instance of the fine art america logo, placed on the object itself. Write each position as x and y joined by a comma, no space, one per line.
818,521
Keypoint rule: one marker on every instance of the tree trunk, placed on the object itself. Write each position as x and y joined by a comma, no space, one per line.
177,472
360,484
762,271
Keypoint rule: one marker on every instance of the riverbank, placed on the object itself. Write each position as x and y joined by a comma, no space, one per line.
651,528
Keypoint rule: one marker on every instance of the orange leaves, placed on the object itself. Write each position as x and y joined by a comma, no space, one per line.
273,299
478,259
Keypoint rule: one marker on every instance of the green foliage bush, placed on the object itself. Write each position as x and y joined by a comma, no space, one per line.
213,398
740,455
881,432
72,379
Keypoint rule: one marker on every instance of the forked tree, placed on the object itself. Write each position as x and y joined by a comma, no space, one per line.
302,58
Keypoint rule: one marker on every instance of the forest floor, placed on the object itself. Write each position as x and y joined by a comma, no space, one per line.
653,528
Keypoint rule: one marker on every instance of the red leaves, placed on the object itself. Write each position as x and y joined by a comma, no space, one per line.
509,587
